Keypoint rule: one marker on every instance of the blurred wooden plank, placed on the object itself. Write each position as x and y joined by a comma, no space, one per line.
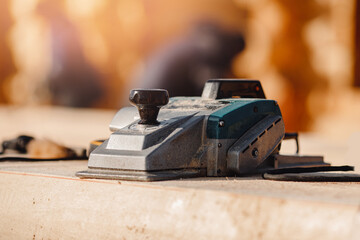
71,126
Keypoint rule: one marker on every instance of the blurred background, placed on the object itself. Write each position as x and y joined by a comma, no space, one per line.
90,53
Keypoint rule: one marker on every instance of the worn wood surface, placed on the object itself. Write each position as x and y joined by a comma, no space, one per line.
44,200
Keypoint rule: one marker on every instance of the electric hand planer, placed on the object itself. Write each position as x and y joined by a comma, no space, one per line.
232,129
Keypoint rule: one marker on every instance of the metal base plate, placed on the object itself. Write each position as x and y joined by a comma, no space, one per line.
286,161
140,175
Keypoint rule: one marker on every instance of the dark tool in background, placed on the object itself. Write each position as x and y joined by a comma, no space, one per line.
183,66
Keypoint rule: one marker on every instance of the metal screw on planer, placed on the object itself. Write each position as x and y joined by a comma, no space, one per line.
221,124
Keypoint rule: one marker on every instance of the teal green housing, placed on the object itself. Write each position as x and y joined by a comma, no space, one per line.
239,116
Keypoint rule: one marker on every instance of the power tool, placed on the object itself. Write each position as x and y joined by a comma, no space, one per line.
231,130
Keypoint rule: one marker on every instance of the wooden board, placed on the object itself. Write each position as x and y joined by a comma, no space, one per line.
44,200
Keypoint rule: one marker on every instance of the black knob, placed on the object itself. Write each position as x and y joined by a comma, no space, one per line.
148,102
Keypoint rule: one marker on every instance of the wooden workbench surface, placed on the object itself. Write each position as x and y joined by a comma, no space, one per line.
44,200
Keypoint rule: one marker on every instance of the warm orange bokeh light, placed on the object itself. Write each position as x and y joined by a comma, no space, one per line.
301,51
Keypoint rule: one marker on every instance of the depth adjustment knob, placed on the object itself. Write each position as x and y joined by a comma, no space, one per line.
149,102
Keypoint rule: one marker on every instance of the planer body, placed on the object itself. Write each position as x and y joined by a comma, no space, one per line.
232,129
